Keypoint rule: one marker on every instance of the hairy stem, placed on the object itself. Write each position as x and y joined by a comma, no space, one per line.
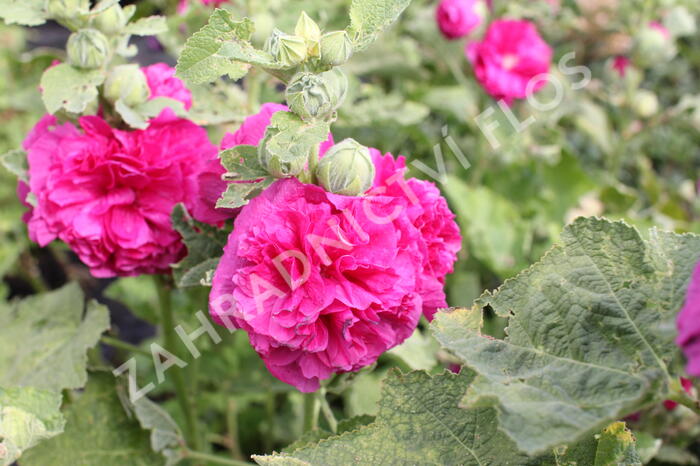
311,408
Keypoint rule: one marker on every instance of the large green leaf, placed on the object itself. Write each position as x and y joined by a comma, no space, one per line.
615,446
368,18
98,432
200,61
24,12
589,333
45,337
27,416
418,423
69,88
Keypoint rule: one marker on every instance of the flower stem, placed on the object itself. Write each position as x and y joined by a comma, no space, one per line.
163,288
311,408
313,163
327,411
680,396
197,455
117,343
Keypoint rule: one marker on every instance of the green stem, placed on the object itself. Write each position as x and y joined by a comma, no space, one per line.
170,343
117,343
680,396
311,408
313,163
327,411
197,455
232,427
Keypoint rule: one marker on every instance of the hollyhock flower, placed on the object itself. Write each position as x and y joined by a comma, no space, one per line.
688,324
322,283
430,214
508,59
211,184
108,193
457,18
163,83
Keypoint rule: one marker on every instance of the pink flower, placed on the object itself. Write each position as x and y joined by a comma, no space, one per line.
163,83
620,65
108,193
688,324
510,57
457,18
661,28
211,184
429,213
322,283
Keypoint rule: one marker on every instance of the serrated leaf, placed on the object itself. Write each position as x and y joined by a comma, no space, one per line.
28,415
204,248
615,446
166,436
368,18
69,88
24,12
199,61
45,337
590,333
16,163
148,26
238,194
138,117
418,423
288,136
242,163
98,432
312,437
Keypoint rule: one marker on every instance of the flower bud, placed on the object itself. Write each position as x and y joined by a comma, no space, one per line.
346,169
653,45
314,97
111,21
336,48
309,30
645,103
288,49
67,9
87,48
128,83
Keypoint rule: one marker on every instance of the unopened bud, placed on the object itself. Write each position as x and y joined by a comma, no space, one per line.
309,30
653,45
645,103
346,169
128,83
336,48
87,48
285,48
315,97
111,21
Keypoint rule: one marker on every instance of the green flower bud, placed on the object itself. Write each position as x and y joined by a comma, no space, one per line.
309,30
645,103
111,21
336,48
128,83
346,169
281,164
87,48
288,49
653,45
315,97
67,9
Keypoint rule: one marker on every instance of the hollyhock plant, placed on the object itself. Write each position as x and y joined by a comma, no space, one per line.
457,18
325,284
211,184
511,61
430,214
688,324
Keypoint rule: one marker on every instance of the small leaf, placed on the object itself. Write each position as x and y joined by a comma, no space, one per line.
288,136
238,194
103,5
16,163
45,337
24,12
149,26
28,415
199,61
69,88
166,437
242,163
368,18
243,51
137,117
615,446
130,116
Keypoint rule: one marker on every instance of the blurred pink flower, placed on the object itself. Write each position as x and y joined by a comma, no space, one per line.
620,65
661,28
688,324
163,83
511,60
457,18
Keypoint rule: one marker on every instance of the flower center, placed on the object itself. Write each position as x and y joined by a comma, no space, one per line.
509,61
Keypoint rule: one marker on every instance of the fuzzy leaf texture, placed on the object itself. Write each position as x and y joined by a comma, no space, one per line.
24,12
98,432
27,416
149,26
418,423
69,88
590,333
368,18
200,61
204,249
45,337
615,446
16,163
242,163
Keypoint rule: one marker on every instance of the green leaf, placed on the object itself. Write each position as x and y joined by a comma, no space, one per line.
72,89
149,26
98,432
368,18
200,62
45,337
24,12
238,194
590,333
103,5
28,415
243,51
242,163
16,163
204,248
615,446
288,136
418,423
137,117
166,436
